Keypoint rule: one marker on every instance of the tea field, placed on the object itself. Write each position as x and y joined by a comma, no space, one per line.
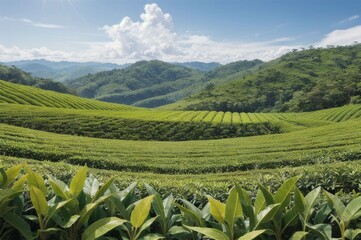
46,130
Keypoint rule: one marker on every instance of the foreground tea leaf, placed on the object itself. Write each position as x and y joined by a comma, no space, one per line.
78,181
19,224
233,208
251,235
298,235
141,211
39,201
217,209
101,227
210,232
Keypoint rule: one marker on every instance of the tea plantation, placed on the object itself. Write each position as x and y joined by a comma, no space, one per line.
190,154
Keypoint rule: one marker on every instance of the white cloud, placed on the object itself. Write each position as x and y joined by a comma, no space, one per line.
349,19
342,37
32,23
15,53
153,37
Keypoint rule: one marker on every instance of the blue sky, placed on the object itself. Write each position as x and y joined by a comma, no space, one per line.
172,30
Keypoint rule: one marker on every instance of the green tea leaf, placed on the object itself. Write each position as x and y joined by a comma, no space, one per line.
19,184
284,191
210,232
218,209
78,181
101,227
251,235
103,189
298,235
233,208
12,173
141,211
36,180
39,201
352,233
352,210
19,224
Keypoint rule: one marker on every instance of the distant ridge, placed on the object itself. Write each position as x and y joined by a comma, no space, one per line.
64,70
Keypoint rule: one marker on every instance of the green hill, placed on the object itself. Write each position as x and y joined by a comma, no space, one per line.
153,83
15,75
299,81
21,94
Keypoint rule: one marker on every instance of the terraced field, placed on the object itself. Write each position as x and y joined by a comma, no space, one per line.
323,139
20,94
319,144
196,167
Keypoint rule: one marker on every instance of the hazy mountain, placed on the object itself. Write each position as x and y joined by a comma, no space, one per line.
62,71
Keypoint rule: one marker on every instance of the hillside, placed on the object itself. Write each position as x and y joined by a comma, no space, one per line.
62,71
19,94
151,84
299,81
15,75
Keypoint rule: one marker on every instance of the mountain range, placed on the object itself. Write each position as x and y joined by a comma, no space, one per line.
154,83
304,80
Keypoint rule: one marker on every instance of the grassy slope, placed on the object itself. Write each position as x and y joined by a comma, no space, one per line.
336,142
20,94
197,167
301,81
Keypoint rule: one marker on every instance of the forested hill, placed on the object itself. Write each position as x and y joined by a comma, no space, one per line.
299,81
15,75
152,83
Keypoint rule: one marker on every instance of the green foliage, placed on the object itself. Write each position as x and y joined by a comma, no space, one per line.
299,81
107,212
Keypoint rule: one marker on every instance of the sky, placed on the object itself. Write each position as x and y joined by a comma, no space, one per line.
125,31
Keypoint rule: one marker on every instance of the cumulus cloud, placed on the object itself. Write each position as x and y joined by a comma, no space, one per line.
342,37
152,37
